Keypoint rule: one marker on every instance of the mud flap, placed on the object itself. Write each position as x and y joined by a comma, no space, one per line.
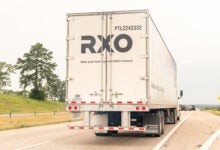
154,123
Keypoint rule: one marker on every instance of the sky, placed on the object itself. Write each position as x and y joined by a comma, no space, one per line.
190,28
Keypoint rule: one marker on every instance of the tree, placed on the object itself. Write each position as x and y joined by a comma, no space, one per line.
61,94
35,68
56,88
5,70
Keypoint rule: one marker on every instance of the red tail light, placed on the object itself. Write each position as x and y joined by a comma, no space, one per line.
140,108
137,108
75,107
143,108
69,108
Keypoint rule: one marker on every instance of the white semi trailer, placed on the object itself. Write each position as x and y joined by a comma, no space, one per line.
120,73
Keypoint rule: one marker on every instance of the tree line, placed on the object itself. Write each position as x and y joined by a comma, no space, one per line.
36,70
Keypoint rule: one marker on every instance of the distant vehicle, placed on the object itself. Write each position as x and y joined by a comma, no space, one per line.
192,108
183,107
120,73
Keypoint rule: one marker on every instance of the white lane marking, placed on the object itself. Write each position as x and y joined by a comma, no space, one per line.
34,145
209,142
163,141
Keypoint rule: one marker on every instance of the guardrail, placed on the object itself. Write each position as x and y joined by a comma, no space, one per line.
11,114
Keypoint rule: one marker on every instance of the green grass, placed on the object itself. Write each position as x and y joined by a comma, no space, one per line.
19,104
216,112
29,121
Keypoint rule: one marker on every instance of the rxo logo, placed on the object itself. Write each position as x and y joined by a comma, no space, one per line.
105,43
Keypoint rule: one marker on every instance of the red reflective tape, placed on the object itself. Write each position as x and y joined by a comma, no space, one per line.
72,127
91,128
120,128
101,128
139,102
92,102
81,128
141,129
129,102
73,102
83,102
111,128
119,102
131,129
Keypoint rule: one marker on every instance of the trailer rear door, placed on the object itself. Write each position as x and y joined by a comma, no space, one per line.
107,57
127,67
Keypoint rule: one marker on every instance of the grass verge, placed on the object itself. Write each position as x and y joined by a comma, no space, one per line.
19,104
15,122
216,112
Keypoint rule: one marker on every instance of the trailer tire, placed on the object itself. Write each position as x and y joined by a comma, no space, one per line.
173,116
178,118
163,122
160,123
178,115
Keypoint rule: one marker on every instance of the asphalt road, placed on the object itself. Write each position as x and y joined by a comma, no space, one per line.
190,135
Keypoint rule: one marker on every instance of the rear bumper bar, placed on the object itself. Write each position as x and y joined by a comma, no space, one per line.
101,128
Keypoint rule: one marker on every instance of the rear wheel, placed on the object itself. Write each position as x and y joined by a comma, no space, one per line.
178,115
160,123
163,122
173,116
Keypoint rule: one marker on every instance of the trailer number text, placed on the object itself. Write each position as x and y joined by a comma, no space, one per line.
126,28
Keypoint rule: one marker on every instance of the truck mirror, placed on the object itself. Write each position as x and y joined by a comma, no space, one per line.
181,93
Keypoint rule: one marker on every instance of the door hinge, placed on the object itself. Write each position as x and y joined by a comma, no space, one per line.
144,56
95,94
70,58
144,78
144,36
116,94
69,79
70,38
70,19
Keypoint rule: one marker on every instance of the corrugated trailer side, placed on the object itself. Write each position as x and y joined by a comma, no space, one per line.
163,75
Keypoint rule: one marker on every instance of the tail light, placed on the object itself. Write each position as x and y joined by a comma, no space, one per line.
143,108
69,108
137,108
72,108
140,108
75,108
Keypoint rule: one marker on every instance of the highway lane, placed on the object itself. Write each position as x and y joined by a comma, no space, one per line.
58,137
192,134
195,132
216,144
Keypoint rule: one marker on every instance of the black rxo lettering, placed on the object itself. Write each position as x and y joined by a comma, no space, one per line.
117,45
90,45
105,43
